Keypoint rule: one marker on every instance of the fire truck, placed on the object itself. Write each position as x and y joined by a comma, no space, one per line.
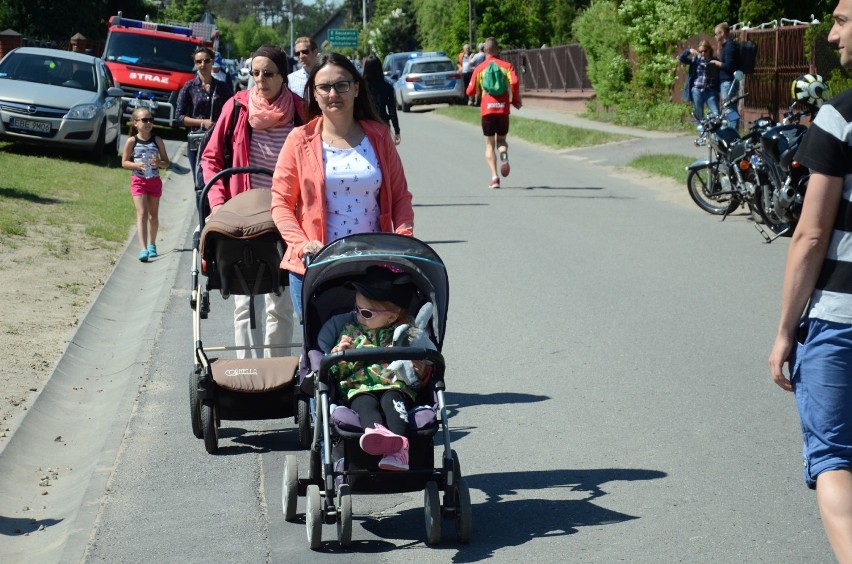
151,61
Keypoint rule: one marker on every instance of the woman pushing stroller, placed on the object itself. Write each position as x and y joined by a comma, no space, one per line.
380,397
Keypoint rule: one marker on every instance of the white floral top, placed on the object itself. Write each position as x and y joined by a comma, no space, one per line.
352,183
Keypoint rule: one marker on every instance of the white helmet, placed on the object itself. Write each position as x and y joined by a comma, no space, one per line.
810,89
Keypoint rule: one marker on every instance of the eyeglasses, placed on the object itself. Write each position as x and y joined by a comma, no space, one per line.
203,61
304,52
266,74
370,313
145,120
702,50
341,87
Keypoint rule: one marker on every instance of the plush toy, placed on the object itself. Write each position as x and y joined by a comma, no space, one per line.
407,336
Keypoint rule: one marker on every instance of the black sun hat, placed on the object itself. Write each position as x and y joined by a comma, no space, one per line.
383,284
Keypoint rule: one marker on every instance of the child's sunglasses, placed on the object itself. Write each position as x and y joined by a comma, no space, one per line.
370,313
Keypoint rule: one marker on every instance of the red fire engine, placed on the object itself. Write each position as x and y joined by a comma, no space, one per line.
151,61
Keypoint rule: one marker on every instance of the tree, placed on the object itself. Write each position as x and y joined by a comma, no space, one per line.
394,32
58,21
185,10
249,34
561,15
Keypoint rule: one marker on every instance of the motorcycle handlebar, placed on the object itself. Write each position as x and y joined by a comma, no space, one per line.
734,100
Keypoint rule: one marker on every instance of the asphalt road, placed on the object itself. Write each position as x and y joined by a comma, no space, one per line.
607,380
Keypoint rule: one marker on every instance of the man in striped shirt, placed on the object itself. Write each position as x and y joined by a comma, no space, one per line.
815,332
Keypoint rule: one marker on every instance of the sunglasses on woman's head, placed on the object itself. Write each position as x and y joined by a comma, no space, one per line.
266,74
341,87
370,313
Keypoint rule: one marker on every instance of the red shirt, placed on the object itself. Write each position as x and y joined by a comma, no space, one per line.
495,104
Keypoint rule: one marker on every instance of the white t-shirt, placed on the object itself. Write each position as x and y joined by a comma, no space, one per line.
352,183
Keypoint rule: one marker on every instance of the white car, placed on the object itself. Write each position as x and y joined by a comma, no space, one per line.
59,98
428,79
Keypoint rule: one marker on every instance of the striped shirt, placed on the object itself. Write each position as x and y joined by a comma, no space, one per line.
827,149
264,147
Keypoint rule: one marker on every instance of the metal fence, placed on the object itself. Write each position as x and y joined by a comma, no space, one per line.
550,69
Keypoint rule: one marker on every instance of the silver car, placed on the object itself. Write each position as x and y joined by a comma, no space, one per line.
59,98
428,79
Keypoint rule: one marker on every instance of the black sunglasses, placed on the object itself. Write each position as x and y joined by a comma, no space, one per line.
145,120
305,52
266,74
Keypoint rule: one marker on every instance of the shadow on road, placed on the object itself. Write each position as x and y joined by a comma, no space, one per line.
502,521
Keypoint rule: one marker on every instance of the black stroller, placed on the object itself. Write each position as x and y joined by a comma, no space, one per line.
238,252
337,465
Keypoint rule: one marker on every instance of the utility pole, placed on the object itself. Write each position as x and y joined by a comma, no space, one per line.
470,17
364,13
292,45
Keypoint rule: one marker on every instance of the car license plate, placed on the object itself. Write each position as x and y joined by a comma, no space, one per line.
30,125
434,81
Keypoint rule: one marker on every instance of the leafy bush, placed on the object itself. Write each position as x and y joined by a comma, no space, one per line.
602,37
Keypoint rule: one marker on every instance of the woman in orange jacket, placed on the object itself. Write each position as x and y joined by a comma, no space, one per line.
339,174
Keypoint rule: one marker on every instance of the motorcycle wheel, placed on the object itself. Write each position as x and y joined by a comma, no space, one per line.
704,187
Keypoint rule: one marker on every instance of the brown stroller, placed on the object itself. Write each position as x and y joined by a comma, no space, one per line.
238,252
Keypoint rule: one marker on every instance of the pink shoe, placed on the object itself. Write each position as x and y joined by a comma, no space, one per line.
397,461
381,441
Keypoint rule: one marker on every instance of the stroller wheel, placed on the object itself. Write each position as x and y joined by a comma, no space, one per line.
432,512
313,516
303,416
456,466
315,467
195,405
344,516
464,511
290,487
208,425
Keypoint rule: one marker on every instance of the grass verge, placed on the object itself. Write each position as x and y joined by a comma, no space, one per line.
542,132
41,187
671,166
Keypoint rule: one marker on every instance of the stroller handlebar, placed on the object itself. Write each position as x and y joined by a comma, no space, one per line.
373,355
228,172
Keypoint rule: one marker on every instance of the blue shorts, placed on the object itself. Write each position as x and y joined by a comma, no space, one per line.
822,382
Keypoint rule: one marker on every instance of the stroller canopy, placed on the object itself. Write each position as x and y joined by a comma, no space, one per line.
348,257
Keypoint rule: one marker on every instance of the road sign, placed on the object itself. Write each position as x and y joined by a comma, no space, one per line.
343,37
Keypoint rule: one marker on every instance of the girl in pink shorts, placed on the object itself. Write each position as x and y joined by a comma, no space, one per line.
145,154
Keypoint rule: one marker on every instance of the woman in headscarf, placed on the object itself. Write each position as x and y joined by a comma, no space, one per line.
261,119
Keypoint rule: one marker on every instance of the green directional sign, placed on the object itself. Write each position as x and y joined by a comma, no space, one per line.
343,37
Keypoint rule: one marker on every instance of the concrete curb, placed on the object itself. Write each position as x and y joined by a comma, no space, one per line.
90,393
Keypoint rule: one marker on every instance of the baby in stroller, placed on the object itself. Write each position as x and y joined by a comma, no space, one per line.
379,395
378,382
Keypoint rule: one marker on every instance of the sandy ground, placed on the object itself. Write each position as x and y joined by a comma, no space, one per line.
46,290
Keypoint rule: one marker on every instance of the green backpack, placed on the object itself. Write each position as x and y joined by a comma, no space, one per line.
494,80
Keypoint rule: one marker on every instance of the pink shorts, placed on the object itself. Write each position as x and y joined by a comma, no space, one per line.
141,186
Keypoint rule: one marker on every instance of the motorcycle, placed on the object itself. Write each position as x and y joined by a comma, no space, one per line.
780,194
729,177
